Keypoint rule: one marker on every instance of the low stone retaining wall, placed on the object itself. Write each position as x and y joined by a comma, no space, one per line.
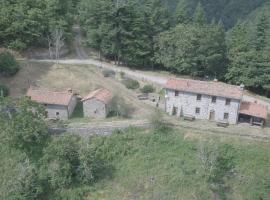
90,131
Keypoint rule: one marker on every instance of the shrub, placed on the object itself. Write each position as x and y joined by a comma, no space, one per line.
147,89
17,45
108,73
4,91
8,64
122,75
159,124
131,84
118,107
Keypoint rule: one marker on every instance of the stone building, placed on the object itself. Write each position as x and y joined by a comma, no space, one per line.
58,105
214,101
96,104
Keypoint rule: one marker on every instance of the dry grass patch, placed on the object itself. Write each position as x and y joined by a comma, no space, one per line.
82,79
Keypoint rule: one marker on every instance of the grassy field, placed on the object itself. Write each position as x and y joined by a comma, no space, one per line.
161,166
150,165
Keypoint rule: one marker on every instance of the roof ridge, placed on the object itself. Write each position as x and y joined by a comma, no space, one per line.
205,87
47,90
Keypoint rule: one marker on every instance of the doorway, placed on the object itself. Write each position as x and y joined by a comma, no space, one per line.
212,116
175,111
46,114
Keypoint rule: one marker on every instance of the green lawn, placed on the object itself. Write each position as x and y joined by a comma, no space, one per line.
166,166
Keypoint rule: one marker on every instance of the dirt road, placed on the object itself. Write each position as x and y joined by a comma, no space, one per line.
81,54
132,73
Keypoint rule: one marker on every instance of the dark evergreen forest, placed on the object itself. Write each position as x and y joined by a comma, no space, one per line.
205,39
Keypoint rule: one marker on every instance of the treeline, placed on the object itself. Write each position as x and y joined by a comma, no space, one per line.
147,34
124,30
248,52
27,23
229,11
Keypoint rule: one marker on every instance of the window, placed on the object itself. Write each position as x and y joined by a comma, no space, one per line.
214,99
228,102
198,111
199,97
226,116
176,93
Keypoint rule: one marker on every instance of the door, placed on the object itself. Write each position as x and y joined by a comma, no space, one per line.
212,116
46,114
175,111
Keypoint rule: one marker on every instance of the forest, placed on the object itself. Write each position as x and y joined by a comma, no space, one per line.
207,39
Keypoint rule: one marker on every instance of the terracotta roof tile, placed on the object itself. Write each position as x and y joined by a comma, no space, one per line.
49,97
102,94
203,87
254,109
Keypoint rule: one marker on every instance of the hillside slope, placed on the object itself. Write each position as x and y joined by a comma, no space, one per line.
229,12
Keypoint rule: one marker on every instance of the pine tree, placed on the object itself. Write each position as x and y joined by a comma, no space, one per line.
261,32
182,13
199,16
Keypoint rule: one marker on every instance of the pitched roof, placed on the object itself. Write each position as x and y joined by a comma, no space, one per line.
102,95
49,97
254,109
205,87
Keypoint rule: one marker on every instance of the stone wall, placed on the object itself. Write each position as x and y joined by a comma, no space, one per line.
96,130
94,108
52,111
186,103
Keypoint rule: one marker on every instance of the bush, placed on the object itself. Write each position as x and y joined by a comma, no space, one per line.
108,73
69,160
159,124
131,84
17,45
8,64
122,75
4,91
118,107
147,89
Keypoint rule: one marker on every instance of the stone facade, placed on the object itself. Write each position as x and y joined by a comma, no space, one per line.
95,108
202,106
61,111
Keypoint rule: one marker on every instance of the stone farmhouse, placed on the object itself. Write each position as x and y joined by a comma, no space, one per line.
96,103
214,101
58,105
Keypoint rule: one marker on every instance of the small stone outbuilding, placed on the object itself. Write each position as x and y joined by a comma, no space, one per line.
96,104
58,105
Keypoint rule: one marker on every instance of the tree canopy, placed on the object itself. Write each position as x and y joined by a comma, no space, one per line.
27,23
